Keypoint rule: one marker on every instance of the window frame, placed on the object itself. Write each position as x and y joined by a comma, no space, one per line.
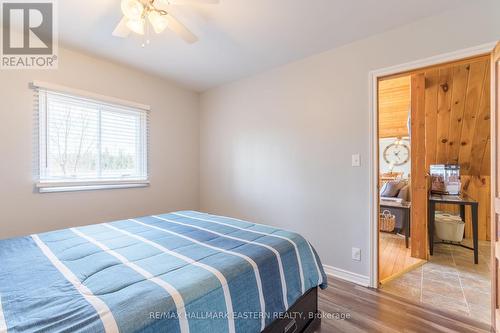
104,103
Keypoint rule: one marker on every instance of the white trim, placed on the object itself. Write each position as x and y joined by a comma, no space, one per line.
3,324
252,263
75,188
108,321
373,247
172,291
495,201
435,60
90,95
214,271
63,186
339,273
65,183
372,82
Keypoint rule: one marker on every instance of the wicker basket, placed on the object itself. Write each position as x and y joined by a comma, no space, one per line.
387,221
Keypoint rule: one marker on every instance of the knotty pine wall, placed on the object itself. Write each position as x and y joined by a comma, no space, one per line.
458,130
394,107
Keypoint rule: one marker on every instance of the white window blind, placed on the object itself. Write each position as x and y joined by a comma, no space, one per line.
88,144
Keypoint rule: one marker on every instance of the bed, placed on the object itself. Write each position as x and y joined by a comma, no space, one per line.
179,272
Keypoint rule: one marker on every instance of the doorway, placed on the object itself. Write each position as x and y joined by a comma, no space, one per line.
394,143
449,108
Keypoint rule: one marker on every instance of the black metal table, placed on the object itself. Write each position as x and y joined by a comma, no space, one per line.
461,201
405,206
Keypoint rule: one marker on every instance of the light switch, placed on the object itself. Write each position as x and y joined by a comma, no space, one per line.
356,160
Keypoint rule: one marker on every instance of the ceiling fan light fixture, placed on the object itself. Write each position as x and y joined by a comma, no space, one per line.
132,9
137,12
136,26
158,21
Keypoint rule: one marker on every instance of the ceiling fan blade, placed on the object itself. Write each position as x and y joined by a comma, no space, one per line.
180,29
121,29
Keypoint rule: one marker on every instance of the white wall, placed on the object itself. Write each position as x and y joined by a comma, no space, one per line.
276,148
174,153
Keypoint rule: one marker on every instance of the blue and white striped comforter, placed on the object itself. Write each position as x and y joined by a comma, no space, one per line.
179,272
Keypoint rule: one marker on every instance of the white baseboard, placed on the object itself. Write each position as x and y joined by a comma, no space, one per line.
347,275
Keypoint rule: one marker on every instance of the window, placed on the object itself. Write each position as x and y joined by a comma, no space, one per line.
88,144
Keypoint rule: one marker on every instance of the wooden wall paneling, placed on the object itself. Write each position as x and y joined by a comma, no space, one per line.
445,88
462,130
460,80
479,189
431,97
484,199
486,162
482,127
394,107
457,118
457,112
418,168
470,60
474,92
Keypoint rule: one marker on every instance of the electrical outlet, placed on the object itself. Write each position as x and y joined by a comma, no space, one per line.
355,160
356,254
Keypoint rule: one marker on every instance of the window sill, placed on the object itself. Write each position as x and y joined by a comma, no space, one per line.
52,188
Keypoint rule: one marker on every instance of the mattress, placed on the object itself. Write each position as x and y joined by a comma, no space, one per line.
179,272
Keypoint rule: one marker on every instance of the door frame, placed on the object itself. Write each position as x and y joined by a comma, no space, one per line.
495,318
373,78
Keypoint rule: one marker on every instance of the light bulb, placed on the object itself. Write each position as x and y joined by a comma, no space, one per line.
136,26
132,9
158,21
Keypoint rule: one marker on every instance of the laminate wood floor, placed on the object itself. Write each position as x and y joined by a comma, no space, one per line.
350,308
394,257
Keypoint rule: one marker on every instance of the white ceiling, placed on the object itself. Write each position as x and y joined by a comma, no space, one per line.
237,37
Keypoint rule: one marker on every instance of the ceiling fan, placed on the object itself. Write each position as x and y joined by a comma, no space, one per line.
137,13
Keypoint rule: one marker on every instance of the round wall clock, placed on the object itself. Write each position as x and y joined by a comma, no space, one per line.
397,153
